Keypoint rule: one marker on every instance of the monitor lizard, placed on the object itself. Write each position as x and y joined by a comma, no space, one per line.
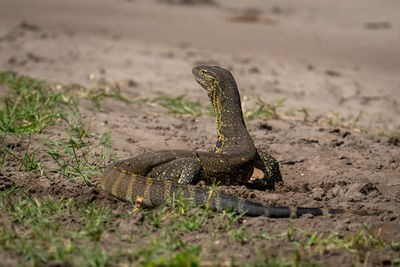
155,178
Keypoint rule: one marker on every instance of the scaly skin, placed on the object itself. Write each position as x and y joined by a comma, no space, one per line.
155,178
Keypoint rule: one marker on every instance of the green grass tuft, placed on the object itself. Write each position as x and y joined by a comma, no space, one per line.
180,105
30,105
264,110
183,106
75,156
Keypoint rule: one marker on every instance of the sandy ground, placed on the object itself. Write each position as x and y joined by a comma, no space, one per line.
331,57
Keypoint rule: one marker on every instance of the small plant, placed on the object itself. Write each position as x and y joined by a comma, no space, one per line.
75,157
97,218
306,113
28,161
4,156
180,105
333,118
392,134
240,235
354,121
263,109
101,90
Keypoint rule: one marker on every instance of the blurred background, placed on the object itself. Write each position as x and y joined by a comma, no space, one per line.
330,57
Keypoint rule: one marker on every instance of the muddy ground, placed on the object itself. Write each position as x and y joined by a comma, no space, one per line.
341,67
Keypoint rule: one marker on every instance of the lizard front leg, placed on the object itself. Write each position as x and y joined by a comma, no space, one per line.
270,167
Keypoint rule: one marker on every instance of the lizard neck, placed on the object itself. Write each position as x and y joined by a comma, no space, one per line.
232,133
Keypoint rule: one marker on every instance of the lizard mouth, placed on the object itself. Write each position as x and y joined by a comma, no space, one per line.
205,78
206,84
199,77
201,81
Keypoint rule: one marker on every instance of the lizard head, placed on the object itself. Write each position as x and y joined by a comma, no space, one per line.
206,75
210,77
220,85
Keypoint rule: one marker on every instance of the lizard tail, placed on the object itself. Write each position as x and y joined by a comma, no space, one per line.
223,201
150,193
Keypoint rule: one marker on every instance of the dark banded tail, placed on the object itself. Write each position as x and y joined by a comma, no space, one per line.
223,202
151,193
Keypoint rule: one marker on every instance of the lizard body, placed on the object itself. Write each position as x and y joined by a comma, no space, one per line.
155,178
